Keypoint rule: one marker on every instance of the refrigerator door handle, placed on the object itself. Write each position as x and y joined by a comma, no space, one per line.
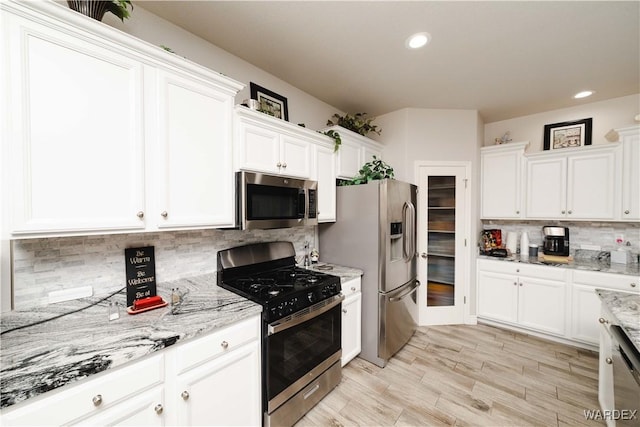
415,286
409,231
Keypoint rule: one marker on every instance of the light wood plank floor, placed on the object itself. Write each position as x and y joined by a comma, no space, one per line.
466,375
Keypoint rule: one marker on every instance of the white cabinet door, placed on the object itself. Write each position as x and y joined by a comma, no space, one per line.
541,304
501,180
325,174
585,311
546,187
630,173
295,157
144,409
76,117
591,185
498,296
351,327
259,148
349,159
222,392
195,171
370,152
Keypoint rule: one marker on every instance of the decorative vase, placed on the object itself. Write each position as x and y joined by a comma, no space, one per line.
93,9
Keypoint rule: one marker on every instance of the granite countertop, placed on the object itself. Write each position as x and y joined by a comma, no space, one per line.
49,355
625,307
587,264
345,273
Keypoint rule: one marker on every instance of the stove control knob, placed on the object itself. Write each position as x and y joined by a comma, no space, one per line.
311,297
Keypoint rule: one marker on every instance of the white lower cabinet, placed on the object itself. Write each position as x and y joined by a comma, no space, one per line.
212,380
605,364
523,295
351,320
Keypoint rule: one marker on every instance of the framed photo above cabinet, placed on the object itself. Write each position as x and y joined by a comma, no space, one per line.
567,134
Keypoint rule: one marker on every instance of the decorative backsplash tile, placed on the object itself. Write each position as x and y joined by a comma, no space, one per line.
44,265
601,234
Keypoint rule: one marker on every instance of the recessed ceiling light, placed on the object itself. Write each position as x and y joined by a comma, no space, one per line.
583,94
418,40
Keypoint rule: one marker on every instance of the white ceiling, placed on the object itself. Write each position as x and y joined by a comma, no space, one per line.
504,59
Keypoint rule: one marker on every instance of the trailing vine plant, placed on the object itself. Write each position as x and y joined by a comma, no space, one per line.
374,170
358,123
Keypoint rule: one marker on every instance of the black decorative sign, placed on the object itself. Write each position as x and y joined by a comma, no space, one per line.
141,273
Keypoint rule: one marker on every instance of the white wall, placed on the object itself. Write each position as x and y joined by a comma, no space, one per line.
303,108
607,115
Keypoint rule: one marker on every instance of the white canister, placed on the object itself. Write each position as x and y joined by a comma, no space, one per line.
512,242
524,244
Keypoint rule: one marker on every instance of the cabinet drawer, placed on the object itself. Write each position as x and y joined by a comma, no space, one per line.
619,282
521,269
351,287
65,406
220,342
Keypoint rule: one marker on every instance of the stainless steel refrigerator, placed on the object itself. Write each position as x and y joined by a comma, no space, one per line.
375,231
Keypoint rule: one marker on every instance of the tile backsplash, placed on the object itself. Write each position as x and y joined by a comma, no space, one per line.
52,264
601,234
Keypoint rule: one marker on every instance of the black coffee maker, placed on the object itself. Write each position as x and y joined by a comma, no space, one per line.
556,240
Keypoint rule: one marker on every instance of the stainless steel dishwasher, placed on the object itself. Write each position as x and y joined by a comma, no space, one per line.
626,378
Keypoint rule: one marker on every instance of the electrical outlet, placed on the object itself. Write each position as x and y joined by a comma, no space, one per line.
619,239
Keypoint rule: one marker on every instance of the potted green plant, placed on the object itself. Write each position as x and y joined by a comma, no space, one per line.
373,170
358,123
97,8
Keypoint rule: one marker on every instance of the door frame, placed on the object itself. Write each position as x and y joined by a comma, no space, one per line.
465,258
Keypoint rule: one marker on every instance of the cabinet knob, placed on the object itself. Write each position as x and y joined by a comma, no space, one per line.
517,212
224,345
97,400
603,320
164,214
569,212
517,270
626,212
633,285
185,395
608,360
562,212
140,214
284,165
520,283
158,409
423,255
344,310
515,283
353,289
279,165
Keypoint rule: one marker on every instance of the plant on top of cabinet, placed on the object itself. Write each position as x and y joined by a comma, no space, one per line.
96,9
374,170
359,123
337,140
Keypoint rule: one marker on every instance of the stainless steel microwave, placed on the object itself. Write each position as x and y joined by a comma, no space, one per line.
271,201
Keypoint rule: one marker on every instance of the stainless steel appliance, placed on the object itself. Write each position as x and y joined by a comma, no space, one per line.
376,232
270,201
556,240
301,328
626,377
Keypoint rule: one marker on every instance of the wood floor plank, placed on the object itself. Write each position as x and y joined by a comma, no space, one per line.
466,375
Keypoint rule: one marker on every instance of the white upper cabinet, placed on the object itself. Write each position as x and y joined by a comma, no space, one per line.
574,184
195,173
270,145
501,180
108,133
75,132
630,138
325,174
355,150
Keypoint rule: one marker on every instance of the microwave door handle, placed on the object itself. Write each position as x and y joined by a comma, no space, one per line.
302,203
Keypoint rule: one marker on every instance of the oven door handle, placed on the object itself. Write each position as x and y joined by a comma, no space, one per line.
304,315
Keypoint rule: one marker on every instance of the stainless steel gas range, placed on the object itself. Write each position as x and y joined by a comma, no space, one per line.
301,327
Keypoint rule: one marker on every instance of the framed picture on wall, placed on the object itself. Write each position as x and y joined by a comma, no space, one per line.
270,102
567,134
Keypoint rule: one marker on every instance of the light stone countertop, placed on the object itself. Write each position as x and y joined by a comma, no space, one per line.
625,307
594,264
345,273
49,355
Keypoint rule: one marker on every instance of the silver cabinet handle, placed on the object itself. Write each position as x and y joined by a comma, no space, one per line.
284,165
344,311
562,212
158,409
279,165
520,283
164,214
185,395
140,214
570,212
608,360
224,344
353,289
517,212
603,320
633,285
626,212
515,283
97,400
424,255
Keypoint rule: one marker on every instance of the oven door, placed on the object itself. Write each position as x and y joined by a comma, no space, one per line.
301,347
